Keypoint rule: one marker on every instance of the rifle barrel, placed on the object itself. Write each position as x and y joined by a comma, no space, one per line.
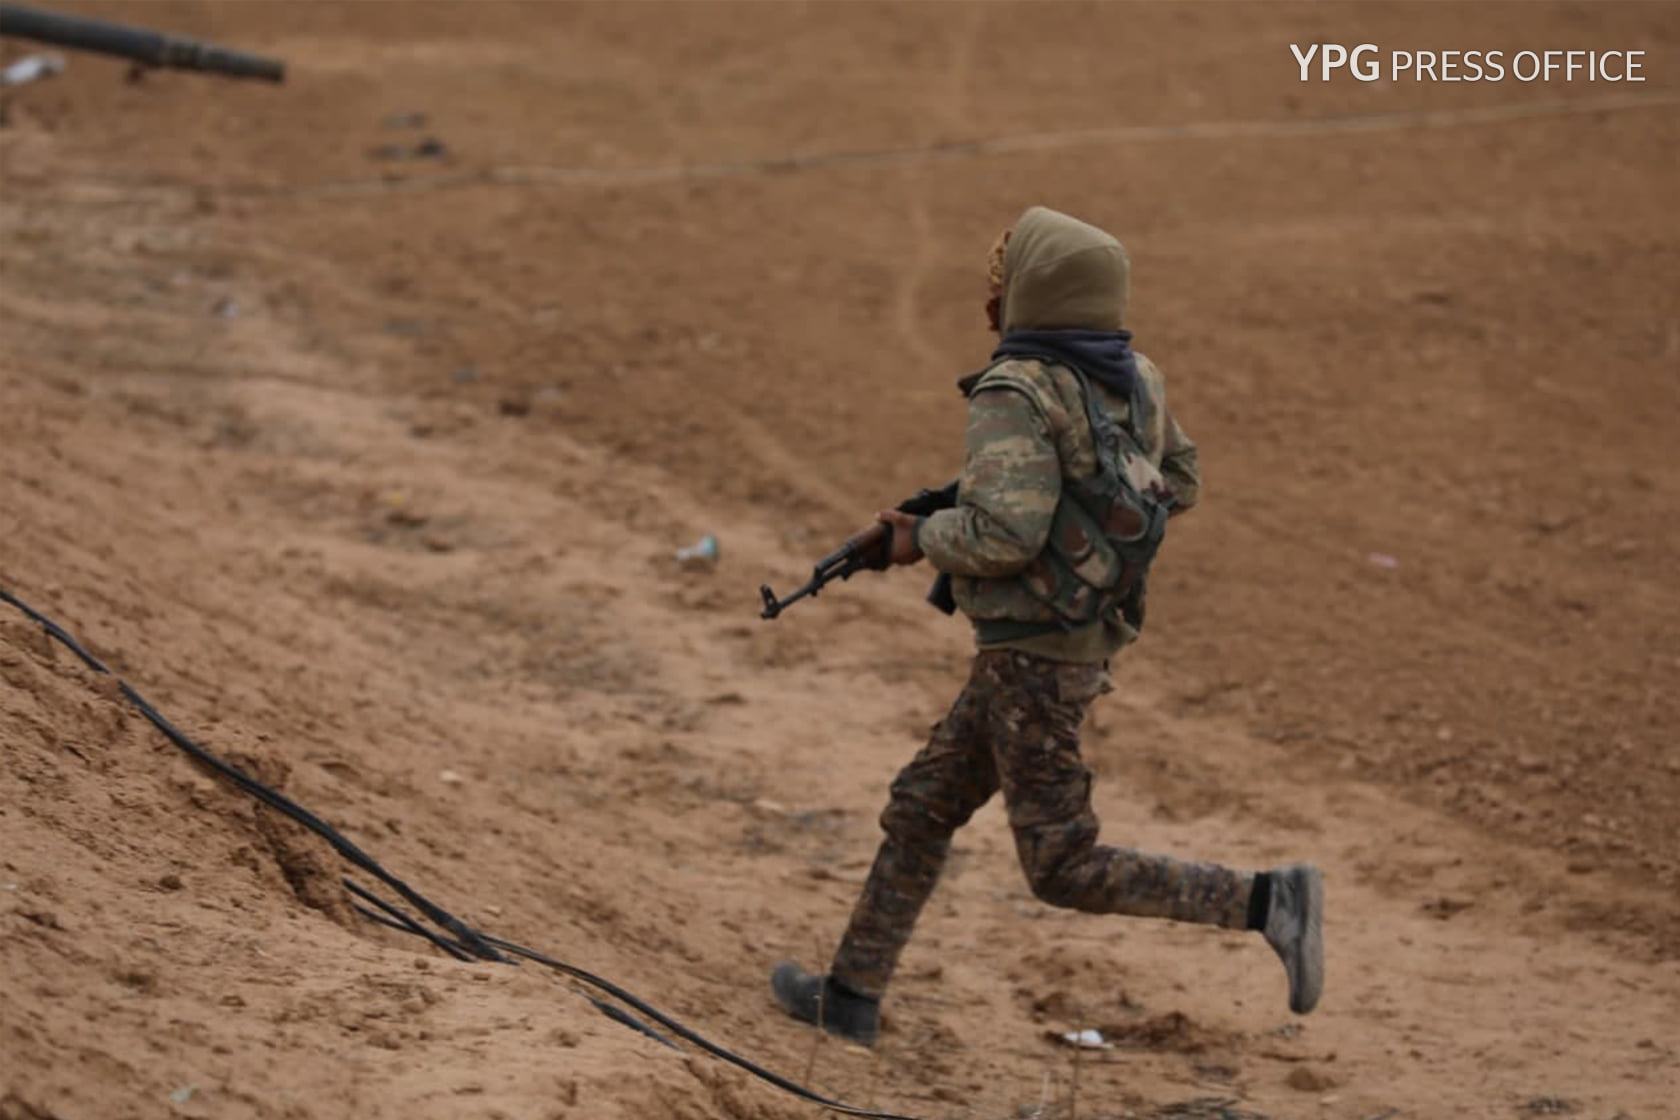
152,48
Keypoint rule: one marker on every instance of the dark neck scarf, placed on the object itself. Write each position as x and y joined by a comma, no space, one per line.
1104,356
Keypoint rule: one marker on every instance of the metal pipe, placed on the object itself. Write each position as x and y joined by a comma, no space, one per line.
142,45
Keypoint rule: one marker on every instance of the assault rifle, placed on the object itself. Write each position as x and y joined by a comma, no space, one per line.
870,550
142,45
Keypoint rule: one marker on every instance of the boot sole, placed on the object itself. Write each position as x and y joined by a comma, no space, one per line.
1308,973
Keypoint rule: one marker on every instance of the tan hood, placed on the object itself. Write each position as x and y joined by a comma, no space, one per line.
1062,274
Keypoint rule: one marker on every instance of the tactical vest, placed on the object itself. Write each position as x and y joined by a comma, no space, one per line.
1106,528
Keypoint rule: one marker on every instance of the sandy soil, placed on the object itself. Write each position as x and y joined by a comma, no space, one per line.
368,472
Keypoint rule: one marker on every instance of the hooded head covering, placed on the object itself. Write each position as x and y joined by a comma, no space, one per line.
1065,286
1060,273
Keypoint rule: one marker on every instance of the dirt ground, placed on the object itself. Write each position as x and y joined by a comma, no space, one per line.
368,467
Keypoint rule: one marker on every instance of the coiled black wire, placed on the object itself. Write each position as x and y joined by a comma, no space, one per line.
459,940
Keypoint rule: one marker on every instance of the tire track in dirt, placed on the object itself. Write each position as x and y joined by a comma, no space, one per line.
581,177
951,113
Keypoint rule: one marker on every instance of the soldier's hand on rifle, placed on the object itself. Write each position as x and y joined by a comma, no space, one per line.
904,550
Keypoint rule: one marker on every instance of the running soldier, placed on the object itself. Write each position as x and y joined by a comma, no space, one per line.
1073,465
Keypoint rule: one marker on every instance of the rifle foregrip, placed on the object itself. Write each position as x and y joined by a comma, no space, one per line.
873,546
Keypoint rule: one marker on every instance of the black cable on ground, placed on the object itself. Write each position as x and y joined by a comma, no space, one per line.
616,1013
398,919
465,942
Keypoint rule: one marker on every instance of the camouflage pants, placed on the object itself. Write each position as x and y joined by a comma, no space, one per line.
1016,726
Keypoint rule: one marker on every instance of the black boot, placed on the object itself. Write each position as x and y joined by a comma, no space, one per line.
842,1011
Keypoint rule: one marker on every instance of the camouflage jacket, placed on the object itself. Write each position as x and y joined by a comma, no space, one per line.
1019,451
1023,444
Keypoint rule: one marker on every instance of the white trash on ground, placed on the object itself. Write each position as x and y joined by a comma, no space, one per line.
1087,1039
32,68
702,557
